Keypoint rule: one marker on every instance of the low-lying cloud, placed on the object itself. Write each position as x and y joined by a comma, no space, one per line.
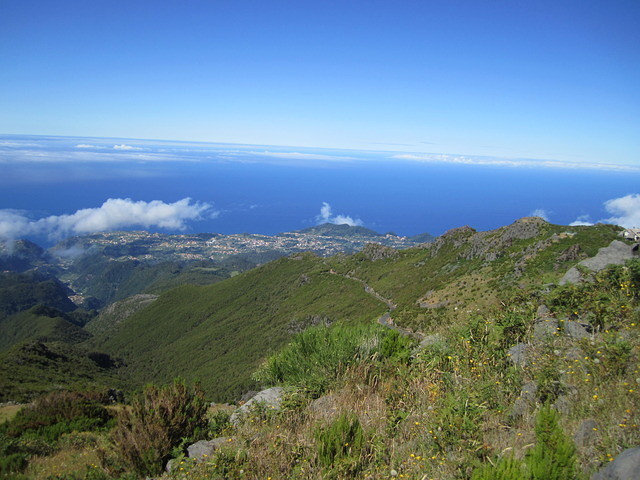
125,147
625,212
510,162
540,212
114,214
326,216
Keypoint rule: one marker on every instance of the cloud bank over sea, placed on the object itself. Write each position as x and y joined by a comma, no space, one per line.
113,214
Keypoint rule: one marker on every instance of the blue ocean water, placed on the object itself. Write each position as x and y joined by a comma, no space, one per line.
267,194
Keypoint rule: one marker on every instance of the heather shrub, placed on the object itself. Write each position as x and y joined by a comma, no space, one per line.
159,419
58,413
552,458
505,468
554,455
340,444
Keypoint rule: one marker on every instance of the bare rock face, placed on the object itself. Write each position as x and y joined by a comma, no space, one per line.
577,330
570,254
545,329
519,354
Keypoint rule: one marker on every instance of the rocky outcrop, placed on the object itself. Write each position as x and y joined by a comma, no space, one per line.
199,451
205,448
519,354
375,252
616,253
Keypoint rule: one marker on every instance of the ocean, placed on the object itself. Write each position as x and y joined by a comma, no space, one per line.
275,189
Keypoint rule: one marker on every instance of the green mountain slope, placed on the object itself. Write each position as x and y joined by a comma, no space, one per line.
40,323
466,270
30,369
21,291
220,333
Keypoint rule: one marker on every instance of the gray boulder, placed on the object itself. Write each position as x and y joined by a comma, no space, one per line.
271,398
324,406
205,448
625,466
545,329
576,330
586,434
430,340
526,401
519,354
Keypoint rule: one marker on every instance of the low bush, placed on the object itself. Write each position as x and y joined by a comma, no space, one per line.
58,413
554,455
552,458
505,468
318,355
159,419
340,444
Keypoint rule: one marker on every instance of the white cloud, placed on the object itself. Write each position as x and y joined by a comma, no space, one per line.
86,145
13,224
509,162
626,210
296,155
540,212
581,221
115,213
326,216
125,147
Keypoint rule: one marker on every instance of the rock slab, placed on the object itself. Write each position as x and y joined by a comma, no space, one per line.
270,398
626,466
205,448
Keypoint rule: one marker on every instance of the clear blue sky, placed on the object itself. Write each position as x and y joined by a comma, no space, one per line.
549,79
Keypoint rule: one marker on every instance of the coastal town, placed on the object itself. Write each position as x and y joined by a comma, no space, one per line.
146,246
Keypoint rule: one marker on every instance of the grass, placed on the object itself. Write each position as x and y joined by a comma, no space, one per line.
7,412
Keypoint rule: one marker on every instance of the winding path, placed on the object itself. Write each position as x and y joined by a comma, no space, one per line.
385,320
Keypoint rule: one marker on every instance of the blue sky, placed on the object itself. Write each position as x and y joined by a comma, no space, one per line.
551,80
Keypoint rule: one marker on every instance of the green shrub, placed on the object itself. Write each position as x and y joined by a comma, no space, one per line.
219,423
552,458
505,468
340,444
318,355
554,454
57,413
158,420
12,463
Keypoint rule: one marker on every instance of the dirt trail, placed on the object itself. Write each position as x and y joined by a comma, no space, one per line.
385,320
